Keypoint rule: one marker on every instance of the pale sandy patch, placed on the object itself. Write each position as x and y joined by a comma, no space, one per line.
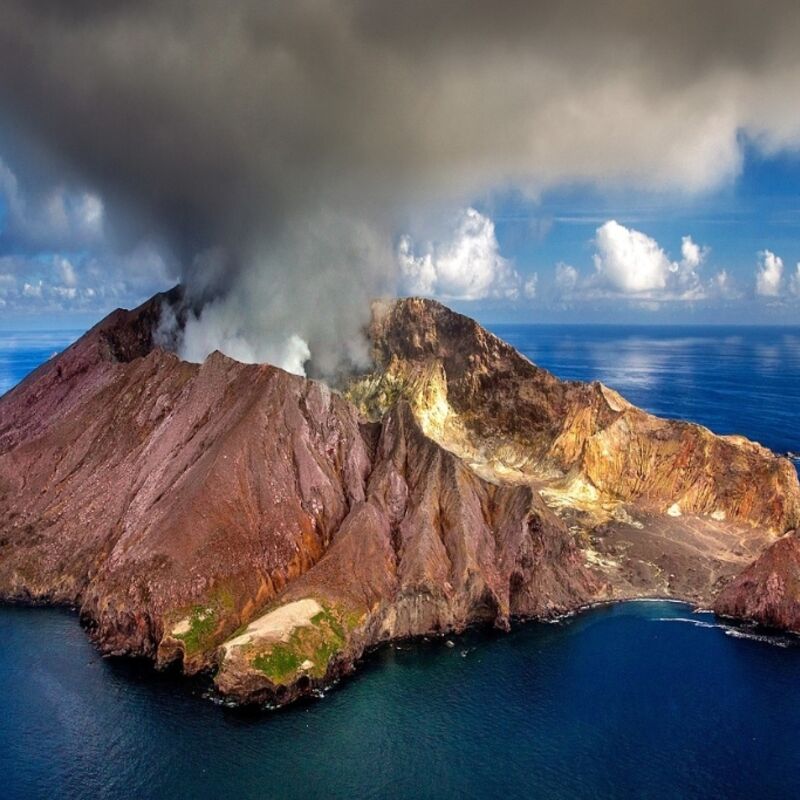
277,625
615,400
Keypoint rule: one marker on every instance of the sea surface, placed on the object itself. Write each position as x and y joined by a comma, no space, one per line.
636,700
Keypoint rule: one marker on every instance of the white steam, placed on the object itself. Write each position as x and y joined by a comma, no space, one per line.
302,304
216,329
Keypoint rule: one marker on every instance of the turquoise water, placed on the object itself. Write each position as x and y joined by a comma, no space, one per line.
639,700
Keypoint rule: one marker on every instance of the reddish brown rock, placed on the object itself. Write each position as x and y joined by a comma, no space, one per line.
140,488
768,591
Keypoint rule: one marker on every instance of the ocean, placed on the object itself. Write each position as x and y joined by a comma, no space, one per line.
635,700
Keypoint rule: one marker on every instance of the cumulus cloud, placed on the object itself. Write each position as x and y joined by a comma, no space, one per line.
566,278
769,274
466,267
771,280
531,286
629,262
693,254
724,286
231,128
633,267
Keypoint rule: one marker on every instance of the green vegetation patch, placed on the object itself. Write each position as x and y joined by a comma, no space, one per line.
202,625
318,643
204,621
281,663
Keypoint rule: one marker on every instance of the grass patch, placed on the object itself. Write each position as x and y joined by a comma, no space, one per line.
202,625
281,663
318,643
353,619
204,621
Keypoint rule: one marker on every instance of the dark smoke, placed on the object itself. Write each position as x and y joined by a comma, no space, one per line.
279,146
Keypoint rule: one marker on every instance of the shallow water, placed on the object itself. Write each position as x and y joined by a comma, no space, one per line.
639,700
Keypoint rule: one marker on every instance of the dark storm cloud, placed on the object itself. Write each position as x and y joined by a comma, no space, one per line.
246,129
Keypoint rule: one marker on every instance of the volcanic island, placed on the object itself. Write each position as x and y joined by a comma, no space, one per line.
267,530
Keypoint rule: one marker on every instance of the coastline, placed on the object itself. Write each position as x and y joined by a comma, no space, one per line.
201,683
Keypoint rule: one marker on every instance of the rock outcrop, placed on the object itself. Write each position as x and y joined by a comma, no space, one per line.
768,591
239,519
477,395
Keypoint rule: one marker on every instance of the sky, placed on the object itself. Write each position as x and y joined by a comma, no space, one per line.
635,163
67,276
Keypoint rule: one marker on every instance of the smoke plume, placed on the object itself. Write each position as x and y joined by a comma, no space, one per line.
280,149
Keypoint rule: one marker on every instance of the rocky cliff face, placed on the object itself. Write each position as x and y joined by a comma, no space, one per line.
236,518
768,591
476,395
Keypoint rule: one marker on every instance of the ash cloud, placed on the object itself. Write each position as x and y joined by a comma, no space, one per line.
280,149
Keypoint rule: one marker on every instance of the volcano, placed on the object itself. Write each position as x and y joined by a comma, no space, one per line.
268,529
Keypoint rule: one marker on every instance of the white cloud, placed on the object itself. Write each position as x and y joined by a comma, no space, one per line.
66,271
55,283
691,252
724,286
530,287
631,263
794,281
468,267
633,267
769,274
566,278
61,257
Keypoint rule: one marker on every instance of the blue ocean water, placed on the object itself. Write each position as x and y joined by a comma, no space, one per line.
22,351
637,700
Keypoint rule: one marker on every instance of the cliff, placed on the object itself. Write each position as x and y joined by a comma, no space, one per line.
236,518
768,591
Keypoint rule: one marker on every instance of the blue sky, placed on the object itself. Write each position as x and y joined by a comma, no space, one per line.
759,210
